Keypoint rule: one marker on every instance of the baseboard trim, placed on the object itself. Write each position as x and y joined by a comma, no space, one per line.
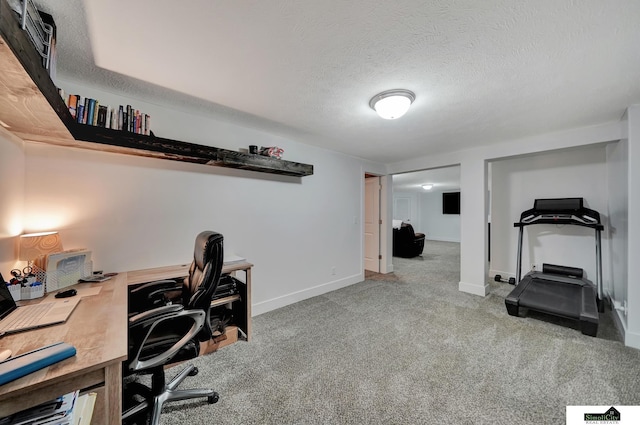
387,269
618,316
504,275
632,339
294,297
475,289
437,239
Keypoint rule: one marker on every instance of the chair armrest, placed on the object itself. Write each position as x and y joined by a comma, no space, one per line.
157,286
154,314
152,294
157,319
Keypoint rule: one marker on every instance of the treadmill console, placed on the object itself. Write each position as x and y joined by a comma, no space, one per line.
559,205
560,211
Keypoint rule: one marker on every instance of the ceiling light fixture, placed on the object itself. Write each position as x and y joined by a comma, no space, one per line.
392,104
427,186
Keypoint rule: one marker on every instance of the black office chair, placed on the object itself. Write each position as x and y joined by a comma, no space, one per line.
171,333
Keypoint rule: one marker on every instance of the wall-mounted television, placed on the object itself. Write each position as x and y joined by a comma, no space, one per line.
451,203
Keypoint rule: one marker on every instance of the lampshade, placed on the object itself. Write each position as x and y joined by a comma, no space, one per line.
33,245
392,104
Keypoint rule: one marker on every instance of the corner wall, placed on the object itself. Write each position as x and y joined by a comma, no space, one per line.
617,188
12,187
517,182
632,334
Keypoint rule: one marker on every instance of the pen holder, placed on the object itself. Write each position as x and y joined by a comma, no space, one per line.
31,292
15,291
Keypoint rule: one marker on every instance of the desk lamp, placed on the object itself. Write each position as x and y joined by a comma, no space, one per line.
35,245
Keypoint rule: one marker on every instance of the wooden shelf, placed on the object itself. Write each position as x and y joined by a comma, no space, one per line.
225,300
33,110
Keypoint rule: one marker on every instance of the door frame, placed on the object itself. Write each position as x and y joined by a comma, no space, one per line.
372,223
386,203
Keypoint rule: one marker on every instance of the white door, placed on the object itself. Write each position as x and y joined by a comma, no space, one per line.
402,209
372,224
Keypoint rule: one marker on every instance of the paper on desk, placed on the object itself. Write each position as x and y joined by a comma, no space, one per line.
232,258
82,292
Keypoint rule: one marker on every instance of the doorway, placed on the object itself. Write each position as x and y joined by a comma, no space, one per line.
372,223
418,201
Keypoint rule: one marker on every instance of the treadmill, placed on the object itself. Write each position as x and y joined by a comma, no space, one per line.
560,290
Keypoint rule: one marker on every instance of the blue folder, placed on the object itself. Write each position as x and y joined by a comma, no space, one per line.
24,364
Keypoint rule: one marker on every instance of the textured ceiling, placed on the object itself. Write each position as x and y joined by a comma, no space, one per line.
443,179
483,71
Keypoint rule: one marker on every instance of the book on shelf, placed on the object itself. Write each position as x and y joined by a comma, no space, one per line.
96,108
114,119
90,111
85,110
120,117
73,105
102,116
80,113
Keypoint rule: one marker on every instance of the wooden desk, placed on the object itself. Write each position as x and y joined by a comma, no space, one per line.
97,328
179,271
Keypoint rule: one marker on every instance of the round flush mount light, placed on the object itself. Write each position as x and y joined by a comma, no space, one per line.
427,186
392,104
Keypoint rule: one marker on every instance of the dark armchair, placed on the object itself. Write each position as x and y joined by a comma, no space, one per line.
172,333
407,243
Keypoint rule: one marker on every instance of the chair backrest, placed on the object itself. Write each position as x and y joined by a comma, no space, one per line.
205,271
204,276
405,233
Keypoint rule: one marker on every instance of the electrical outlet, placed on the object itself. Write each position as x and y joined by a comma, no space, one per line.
333,270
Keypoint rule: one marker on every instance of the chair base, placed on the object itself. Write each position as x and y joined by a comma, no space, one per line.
152,405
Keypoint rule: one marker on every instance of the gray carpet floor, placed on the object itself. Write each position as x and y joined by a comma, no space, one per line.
409,348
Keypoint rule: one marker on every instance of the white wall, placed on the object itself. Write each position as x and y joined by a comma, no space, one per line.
135,212
12,185
414,209
632,334
435,225
617,189
517,182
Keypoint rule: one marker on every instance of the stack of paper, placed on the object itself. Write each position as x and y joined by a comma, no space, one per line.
83,411
69,409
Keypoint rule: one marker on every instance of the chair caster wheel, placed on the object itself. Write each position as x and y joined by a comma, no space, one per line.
194,372
213,398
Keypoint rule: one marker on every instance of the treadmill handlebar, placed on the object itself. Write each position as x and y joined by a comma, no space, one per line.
582,217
